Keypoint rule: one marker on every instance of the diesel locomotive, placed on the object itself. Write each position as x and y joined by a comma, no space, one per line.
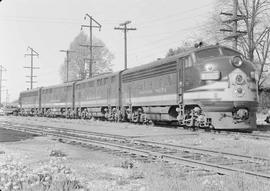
206,87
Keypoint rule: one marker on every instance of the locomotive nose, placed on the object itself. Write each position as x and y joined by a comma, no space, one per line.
241,84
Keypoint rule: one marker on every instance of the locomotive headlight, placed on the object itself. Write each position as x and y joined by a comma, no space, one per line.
239,91
209,68
237,61
239,79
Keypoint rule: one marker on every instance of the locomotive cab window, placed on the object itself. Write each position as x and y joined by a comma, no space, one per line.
207,53
229,52
188,62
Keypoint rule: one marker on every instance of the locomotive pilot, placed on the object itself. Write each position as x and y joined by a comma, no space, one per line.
267,120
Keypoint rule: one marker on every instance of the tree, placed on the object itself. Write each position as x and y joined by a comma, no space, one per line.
78,61
255,44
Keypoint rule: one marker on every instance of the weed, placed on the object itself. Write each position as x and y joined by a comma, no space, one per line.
57,153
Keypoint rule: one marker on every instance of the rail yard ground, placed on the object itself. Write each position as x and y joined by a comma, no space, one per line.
46,162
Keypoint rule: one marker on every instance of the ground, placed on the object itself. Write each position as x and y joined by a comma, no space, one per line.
42,162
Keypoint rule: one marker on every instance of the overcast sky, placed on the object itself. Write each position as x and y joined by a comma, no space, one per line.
49,25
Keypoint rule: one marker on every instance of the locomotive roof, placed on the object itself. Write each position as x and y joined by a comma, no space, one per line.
171,58
98,77
31,90
58,85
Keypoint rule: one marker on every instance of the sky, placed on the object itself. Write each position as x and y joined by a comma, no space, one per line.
49,26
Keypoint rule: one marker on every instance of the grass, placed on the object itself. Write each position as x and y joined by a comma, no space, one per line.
125,174
51,176
160,178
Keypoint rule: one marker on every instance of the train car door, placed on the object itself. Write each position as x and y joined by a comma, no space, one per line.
180,80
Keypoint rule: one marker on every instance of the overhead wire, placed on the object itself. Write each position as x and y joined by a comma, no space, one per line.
152,51
46,20
160,40
174,14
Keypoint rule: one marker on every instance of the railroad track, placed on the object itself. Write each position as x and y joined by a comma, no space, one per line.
254,135
208,160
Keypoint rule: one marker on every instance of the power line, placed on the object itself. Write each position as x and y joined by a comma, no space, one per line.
77,21
125,29
50,20
176,14
32,54
165,38
67,53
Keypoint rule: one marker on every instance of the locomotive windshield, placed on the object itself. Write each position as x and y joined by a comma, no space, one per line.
207,53
229,52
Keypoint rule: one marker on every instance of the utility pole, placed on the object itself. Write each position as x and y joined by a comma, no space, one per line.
125,29
235,7
234,19
85,68
91,26
2,69
91,59
67,53
32,54
7,97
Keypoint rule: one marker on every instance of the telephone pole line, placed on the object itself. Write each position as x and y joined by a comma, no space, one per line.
67,53
32,54
234,19
91,60
7,97
125,29
91,26
85,68
2,69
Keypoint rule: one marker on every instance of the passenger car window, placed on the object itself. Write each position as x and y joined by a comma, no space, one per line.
207,53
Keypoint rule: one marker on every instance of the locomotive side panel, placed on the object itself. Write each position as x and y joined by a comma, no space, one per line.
152,86
57,97
151,90
85,94
29,101
94,95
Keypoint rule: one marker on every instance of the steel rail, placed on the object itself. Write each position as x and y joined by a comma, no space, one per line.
206,151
